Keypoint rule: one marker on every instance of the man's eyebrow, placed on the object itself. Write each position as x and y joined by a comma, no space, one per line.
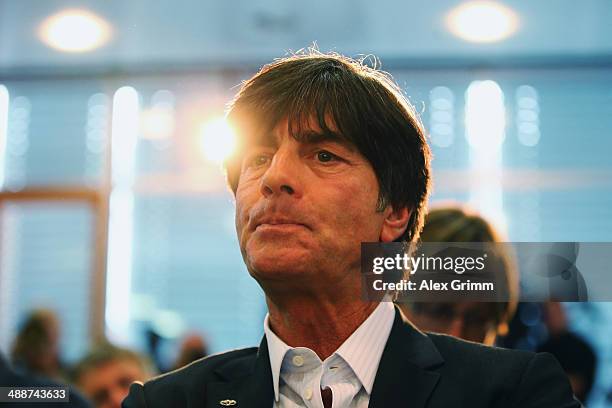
313,137
266,139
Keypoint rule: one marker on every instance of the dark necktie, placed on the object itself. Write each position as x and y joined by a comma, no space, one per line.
326,394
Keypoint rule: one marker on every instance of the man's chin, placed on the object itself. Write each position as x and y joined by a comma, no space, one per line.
278,269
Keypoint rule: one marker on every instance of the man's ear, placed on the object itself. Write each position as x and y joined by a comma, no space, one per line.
395,223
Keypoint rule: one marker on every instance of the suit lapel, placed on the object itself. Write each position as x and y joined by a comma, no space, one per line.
404,377
239,390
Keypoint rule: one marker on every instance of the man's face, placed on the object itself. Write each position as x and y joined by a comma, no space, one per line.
108,384
303,208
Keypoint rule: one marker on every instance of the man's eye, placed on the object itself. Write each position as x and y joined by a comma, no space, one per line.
325,156
259,160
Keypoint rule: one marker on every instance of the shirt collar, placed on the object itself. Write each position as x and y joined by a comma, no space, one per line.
362,350
277,350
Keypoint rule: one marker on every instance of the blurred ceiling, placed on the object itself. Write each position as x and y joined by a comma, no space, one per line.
195,34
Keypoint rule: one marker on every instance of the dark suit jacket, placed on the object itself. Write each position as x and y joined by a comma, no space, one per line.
416,370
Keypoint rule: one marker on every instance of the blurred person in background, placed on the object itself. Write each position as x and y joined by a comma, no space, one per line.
576,356
105,374
11,378
577,359
480,322
192,348
36,347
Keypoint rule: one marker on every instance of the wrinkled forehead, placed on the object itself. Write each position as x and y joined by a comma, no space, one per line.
309,133
304,128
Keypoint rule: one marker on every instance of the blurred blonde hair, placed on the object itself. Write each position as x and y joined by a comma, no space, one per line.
105,353
458,223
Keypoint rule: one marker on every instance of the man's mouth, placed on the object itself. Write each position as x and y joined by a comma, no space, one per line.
278,224
283,225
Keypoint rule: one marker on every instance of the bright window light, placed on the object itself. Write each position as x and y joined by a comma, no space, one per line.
485,116
74,31
485,122
125,130
4,110
482,21
218,140
125,126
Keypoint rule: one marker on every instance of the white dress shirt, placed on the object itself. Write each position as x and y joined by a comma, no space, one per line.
298,374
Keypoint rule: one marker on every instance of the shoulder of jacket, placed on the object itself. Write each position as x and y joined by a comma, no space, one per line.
203,368
452,348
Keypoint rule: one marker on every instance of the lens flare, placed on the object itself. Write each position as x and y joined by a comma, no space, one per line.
218,140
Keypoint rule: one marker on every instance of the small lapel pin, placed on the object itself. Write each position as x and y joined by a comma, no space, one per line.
227,402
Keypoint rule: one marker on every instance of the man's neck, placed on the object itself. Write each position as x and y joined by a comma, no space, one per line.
320,326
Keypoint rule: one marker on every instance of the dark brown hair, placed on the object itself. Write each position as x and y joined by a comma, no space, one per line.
350,101
36,344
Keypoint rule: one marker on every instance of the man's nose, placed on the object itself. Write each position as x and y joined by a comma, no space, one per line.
283,174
